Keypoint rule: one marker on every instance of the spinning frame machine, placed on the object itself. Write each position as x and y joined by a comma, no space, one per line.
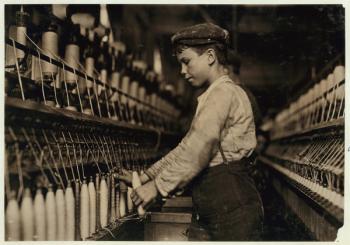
70,128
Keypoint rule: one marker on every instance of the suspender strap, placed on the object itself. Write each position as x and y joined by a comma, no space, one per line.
222,154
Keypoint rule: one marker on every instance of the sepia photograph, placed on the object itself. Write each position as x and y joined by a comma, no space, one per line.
173,122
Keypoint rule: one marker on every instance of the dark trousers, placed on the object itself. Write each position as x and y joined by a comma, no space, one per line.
227,206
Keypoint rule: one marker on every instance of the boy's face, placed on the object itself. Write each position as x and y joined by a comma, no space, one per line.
194,67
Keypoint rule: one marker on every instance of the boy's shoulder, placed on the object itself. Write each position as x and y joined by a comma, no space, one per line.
224,88
227,89
227,85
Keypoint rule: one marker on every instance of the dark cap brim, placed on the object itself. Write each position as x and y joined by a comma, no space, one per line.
195,42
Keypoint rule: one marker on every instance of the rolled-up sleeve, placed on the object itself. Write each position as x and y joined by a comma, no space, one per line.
195,151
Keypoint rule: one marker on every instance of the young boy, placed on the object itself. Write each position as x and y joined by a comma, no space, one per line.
214,153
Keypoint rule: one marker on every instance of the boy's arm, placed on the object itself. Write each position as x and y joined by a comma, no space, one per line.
194,152
157,167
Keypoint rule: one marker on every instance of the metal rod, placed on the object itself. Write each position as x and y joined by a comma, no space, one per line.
60,156
68,155
52,158
75,156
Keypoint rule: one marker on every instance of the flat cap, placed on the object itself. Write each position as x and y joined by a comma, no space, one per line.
205,33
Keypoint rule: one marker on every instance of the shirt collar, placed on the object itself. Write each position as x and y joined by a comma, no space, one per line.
223,78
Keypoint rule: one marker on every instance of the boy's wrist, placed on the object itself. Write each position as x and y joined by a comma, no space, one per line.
160,188
144,178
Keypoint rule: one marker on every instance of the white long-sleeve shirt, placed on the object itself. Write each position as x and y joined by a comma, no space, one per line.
224,115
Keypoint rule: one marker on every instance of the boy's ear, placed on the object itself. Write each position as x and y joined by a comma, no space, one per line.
211,56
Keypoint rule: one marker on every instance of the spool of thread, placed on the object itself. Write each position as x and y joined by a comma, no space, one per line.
117,203
112,199
61,215
39,216
114,97
312,106
340,92
71,108
87,111
108,181
339,73
104,76
318,102
12,219
50,47
50,103
125,88
142,95
134,86
27,216
154,99
115,83
21,30
71,57
103,202
70,213
92,206
115,80
77,210
130,204
58,83
323,85
82,86
330,81
51,219
9,55
329,93
89,68
97,181
21,38
339,76
122,203
136,182
84,211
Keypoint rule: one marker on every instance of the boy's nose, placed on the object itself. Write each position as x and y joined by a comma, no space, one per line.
183,70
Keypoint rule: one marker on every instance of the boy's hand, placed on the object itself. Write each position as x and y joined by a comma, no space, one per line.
145,194
125,176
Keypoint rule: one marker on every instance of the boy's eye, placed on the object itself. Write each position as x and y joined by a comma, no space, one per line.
185,61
